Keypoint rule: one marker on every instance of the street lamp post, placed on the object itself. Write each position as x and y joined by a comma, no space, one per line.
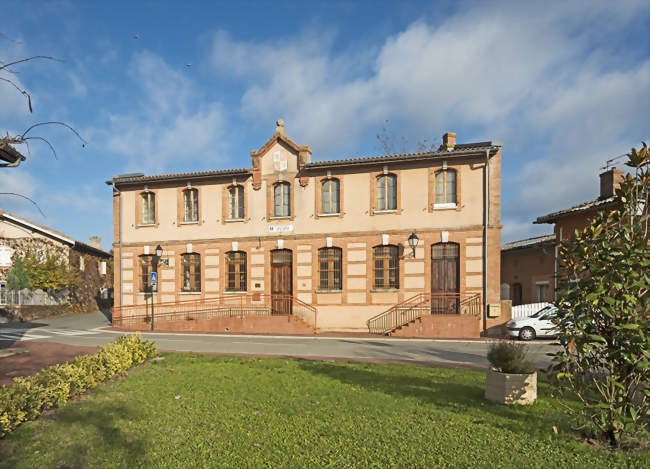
156,258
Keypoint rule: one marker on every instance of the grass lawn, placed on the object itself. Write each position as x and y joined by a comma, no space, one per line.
245,412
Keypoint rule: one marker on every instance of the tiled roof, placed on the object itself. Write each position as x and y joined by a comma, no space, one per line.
53,233
9,154
583,207
527,243
166,177
459,149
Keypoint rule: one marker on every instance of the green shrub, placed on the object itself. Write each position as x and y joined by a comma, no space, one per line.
510,357
29,396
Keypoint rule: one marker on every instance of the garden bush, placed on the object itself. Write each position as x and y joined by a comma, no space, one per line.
29,396
510,357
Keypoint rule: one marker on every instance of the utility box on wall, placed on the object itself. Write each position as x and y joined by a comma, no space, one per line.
494,310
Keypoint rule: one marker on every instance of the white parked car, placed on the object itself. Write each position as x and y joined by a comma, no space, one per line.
539,324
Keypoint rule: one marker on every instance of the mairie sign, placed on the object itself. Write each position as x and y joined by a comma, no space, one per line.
280,228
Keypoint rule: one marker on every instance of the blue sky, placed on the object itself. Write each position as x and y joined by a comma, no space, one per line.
564,85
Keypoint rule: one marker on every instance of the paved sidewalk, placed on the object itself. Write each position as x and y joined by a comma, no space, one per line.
31,357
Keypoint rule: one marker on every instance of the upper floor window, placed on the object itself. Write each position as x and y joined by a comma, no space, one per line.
191,272
281,200
330,268
148,208
191,205
386,266
330,191
236,271
146,267
387,192
236,202
446,187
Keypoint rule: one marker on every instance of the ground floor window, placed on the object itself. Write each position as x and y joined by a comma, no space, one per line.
191,272
236,270
542,292
146,267
330,268
386,267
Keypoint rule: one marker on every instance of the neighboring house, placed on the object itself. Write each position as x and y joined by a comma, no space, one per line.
333,235
568,220
527,269
18,235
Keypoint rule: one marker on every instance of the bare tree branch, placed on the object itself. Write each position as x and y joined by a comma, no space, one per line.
56,123
48,143
24,197
5,67
47,57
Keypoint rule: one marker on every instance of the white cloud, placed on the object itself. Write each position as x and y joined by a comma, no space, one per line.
542,78
169,124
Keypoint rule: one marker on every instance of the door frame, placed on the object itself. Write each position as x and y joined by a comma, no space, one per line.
280,304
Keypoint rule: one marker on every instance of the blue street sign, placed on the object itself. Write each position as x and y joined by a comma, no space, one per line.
154,278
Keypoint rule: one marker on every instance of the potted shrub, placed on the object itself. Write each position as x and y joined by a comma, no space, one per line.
512,378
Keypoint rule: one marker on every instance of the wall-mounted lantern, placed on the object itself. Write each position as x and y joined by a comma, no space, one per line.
413,242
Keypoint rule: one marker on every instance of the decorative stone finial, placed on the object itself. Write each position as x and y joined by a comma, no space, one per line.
280,126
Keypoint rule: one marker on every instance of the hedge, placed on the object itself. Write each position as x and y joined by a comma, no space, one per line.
29,396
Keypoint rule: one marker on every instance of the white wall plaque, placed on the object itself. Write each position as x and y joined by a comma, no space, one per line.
189,247
445,236
328,242
146,250
235,246
384,239
280,243
280,228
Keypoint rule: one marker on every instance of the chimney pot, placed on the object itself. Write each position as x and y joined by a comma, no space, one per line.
448,141
610,180
95,241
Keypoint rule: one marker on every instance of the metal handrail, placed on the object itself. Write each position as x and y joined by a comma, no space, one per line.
233,305
423,304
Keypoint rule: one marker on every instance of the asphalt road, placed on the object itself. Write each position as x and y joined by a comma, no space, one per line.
86,330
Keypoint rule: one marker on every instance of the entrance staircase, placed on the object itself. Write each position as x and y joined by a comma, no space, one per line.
248,305
407,312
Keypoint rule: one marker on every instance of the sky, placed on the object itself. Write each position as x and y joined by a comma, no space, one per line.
160,87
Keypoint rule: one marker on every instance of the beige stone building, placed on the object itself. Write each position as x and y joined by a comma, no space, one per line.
329,236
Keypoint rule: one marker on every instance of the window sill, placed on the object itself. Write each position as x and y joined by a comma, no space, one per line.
383,290
235,292
445,206
329,291
189,222
234,220
329,214
145,225
189,292
280,218
385,211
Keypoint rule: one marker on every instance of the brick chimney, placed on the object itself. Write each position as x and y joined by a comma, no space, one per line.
610,180
448,141
95,241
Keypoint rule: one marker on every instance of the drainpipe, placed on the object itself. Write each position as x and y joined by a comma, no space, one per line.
486,215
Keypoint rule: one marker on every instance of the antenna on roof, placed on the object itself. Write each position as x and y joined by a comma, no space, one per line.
611,160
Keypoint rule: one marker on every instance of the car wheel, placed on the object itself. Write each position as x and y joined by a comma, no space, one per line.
527,333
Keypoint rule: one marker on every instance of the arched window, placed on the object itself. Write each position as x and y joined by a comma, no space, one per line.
446,187
330,268
191,205
236,202
146,267
236,271
330,192
387,192
386,266
148,208
191,272
282,200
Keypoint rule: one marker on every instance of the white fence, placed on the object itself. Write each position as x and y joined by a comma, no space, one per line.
523,311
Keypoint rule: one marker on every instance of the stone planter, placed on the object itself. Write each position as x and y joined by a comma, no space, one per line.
509,388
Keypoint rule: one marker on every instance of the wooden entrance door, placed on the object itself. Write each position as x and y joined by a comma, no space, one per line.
281,281
445,278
